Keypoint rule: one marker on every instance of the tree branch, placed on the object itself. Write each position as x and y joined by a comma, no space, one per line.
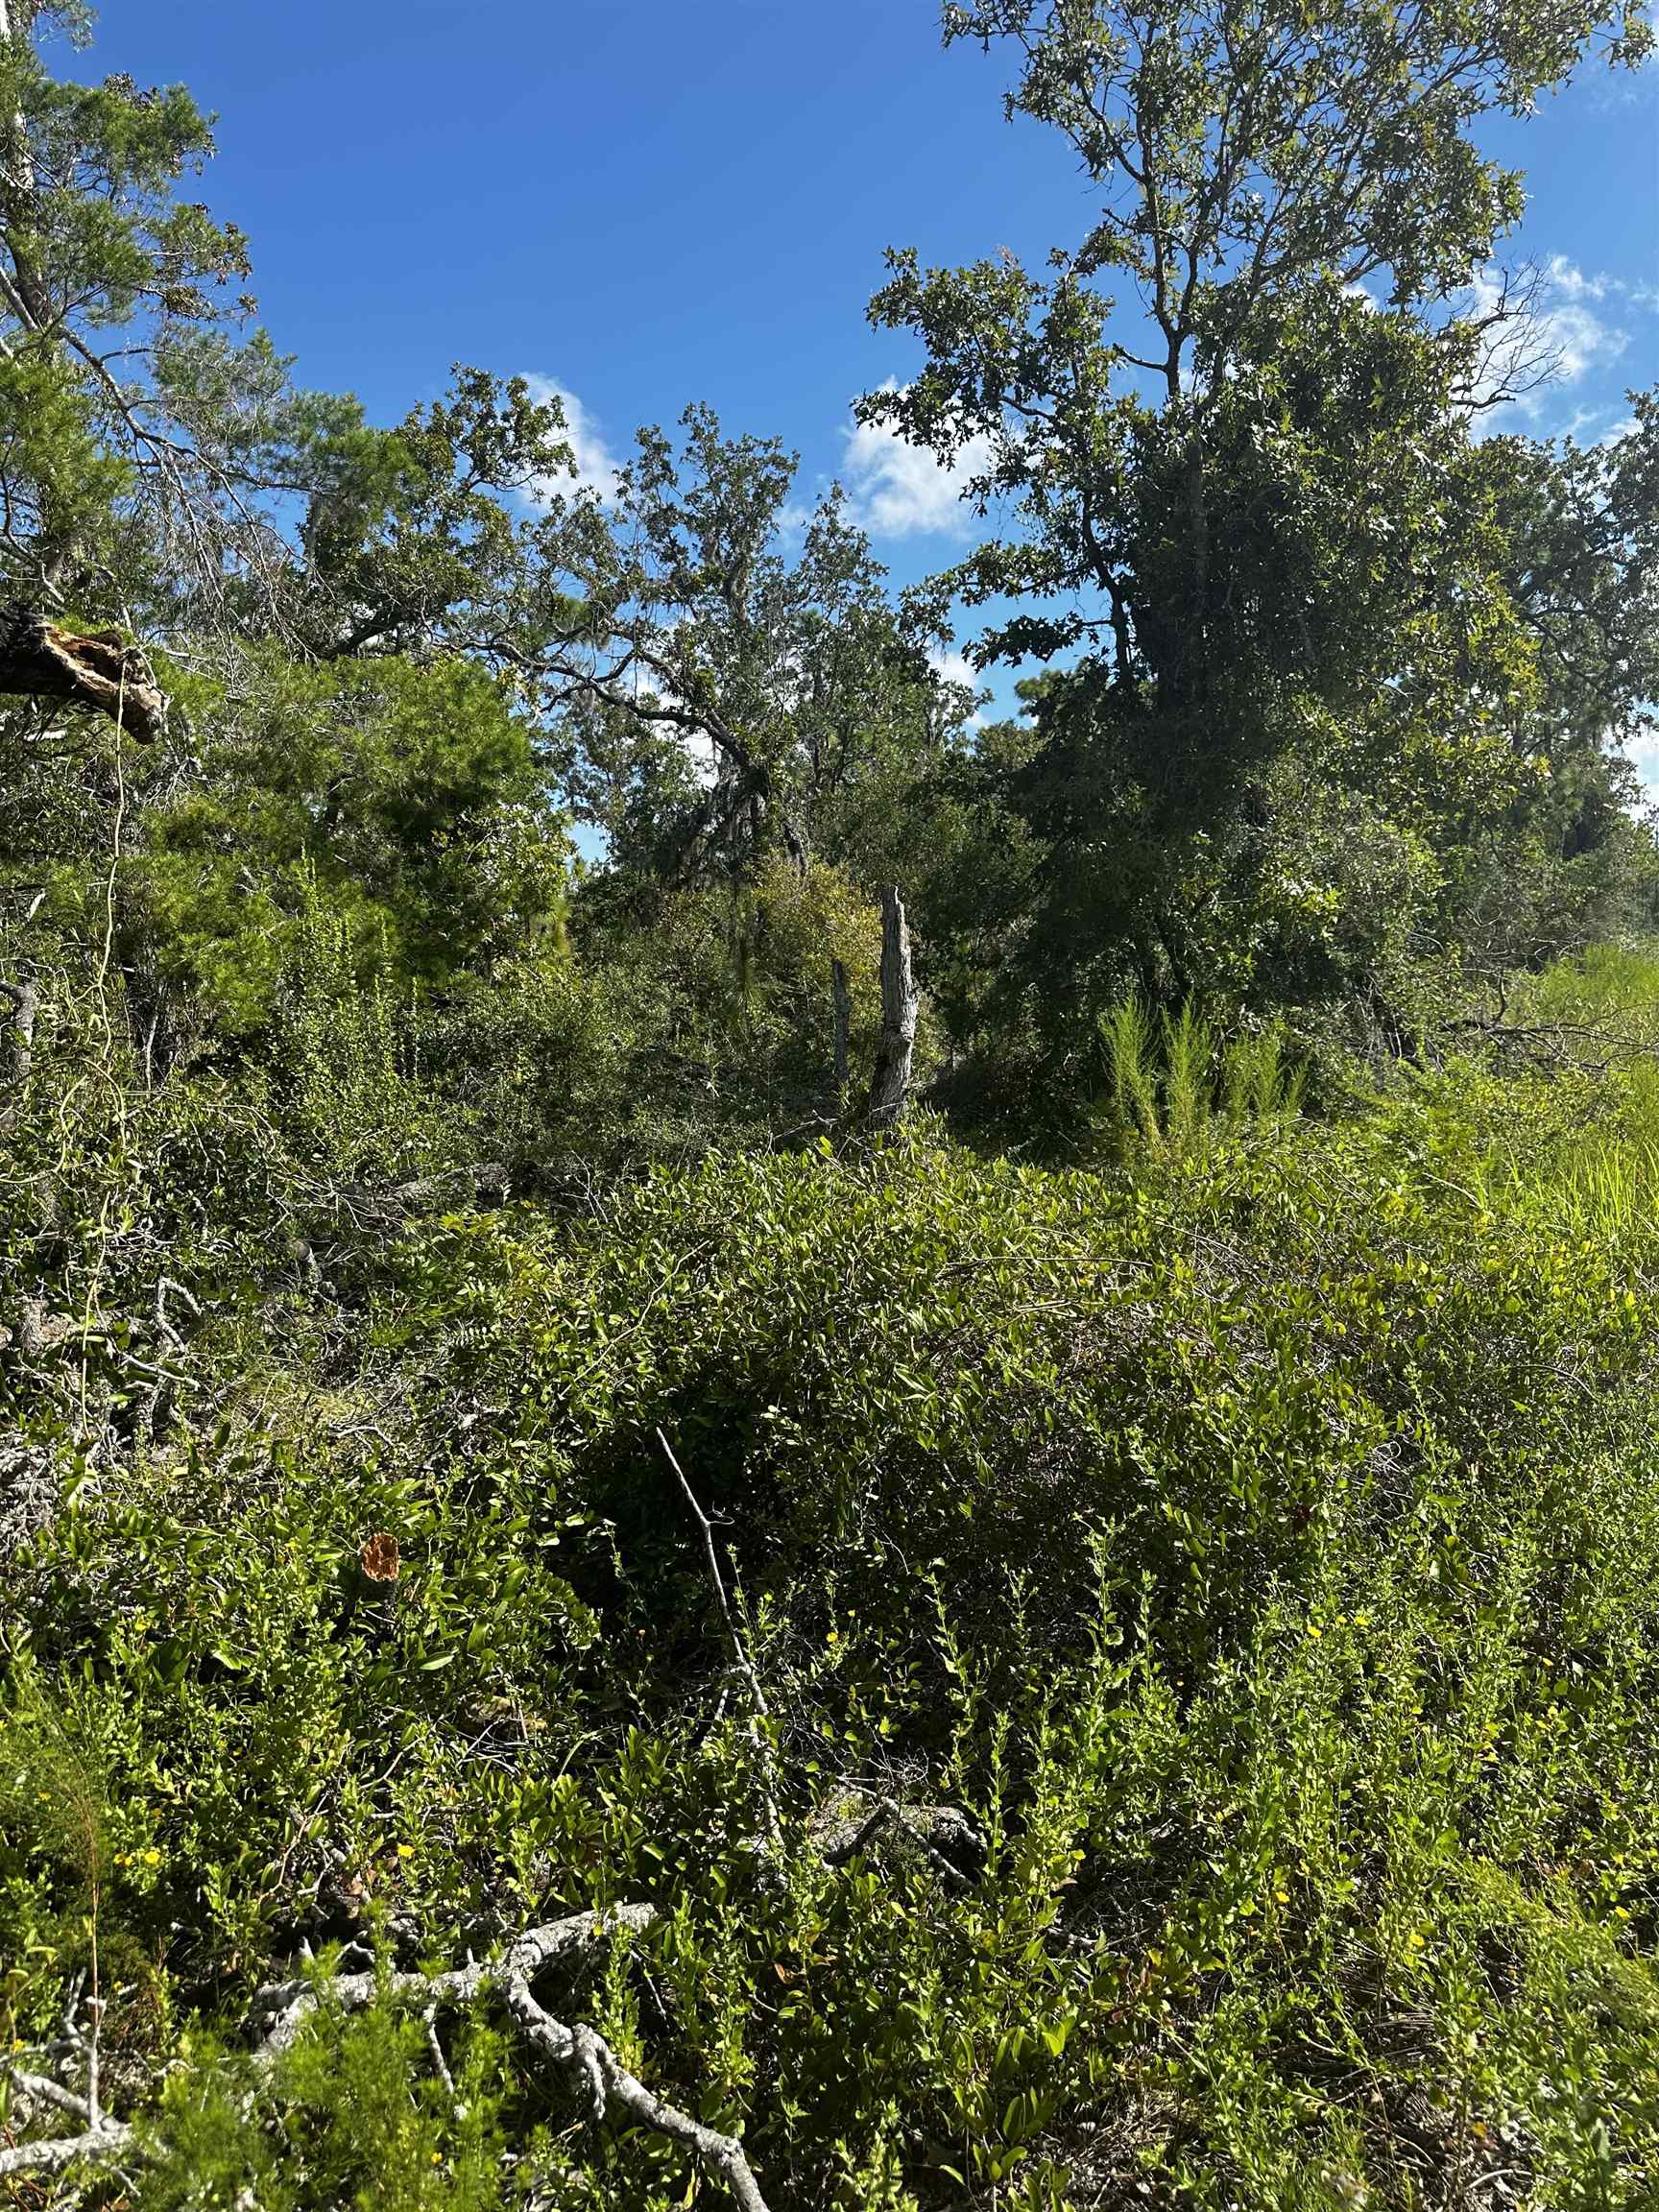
100,670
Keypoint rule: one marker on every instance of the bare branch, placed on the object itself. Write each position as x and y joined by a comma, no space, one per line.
740,1652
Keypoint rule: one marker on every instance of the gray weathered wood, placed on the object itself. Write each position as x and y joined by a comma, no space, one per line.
890,1085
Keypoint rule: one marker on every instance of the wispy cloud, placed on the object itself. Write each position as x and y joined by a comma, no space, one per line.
900,489
1566,278
595,464
1568,281
1555,341
1602,426
1579,340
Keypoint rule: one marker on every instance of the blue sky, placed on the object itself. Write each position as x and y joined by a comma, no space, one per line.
646,203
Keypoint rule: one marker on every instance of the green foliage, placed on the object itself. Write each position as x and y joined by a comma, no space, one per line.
715,701
362,2117
1173,1716
1256,1546
1202,1088
403,794
1311,619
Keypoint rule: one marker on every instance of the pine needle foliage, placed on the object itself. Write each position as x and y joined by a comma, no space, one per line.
1177,1086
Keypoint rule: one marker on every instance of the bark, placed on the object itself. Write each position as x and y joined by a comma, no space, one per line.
795,845
843,1026
56,2157
97,670
891,1083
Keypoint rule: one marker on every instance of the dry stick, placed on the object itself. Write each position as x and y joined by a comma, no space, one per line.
888,1813
166,1287
94,2111
759,1718
44,2090
890,1084
442,2064
581,2049
884,1811
292,2003
65,2151
95,2003
578,2049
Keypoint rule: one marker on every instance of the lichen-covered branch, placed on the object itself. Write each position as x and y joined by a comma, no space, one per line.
580,2051
891,1083
59,2152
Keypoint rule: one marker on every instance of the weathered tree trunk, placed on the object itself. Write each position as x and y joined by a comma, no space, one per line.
890,1082
100,670
843,1026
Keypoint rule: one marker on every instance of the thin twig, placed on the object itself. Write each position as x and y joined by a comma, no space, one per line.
431,2016
760,1735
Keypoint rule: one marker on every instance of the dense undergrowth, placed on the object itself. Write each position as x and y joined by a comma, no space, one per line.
1236,1558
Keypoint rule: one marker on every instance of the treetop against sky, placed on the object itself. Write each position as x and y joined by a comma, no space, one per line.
646,204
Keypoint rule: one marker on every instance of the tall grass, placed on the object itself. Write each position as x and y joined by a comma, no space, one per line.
1603,984
1176,1086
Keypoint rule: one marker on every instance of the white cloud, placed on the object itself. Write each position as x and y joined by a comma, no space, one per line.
1644,757
953,668
1557,341
1570,281
900,489
595,464
957,668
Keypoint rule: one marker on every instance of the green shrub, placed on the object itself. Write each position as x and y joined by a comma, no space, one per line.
1255,1545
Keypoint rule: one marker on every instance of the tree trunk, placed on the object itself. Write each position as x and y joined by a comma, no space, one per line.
100,670
890,1082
